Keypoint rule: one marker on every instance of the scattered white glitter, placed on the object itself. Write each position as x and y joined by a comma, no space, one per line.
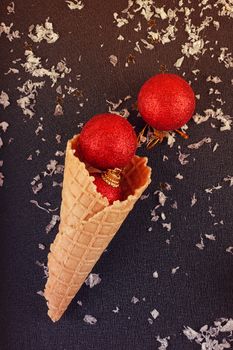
90,319
93,279
155,274
43,33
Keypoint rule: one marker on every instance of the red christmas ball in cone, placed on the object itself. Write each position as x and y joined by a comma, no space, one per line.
107,142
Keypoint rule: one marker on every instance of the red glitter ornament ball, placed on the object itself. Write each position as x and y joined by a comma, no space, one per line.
111,193
107,141
166,102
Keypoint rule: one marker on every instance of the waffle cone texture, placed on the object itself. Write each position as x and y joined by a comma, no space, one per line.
87,225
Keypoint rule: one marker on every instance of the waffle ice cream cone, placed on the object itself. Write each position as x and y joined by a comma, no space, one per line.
87,225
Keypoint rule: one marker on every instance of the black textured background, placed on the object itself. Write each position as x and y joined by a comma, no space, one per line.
202,289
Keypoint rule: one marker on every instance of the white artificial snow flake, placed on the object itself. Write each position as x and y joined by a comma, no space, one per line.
225,57
120,37
214,79
154,313
44,267
162,197
92,280
201,244
147,45
7,30
4,126
120,20
193,200
155,274
215,147
211,237
4,99
163,342
167,226
174,205
90,319
174,269
163,216
179,62
52,223
226,7
116,310
200,143
113,60
12,70
134,300
41,246
190,333
179,176
40,292
75,4
213,188
43,32
1,179
144,196
58,110
229,250
36,188
230,179
79,303
183,158
11,8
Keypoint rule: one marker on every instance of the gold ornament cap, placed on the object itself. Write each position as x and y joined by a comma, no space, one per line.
112,177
